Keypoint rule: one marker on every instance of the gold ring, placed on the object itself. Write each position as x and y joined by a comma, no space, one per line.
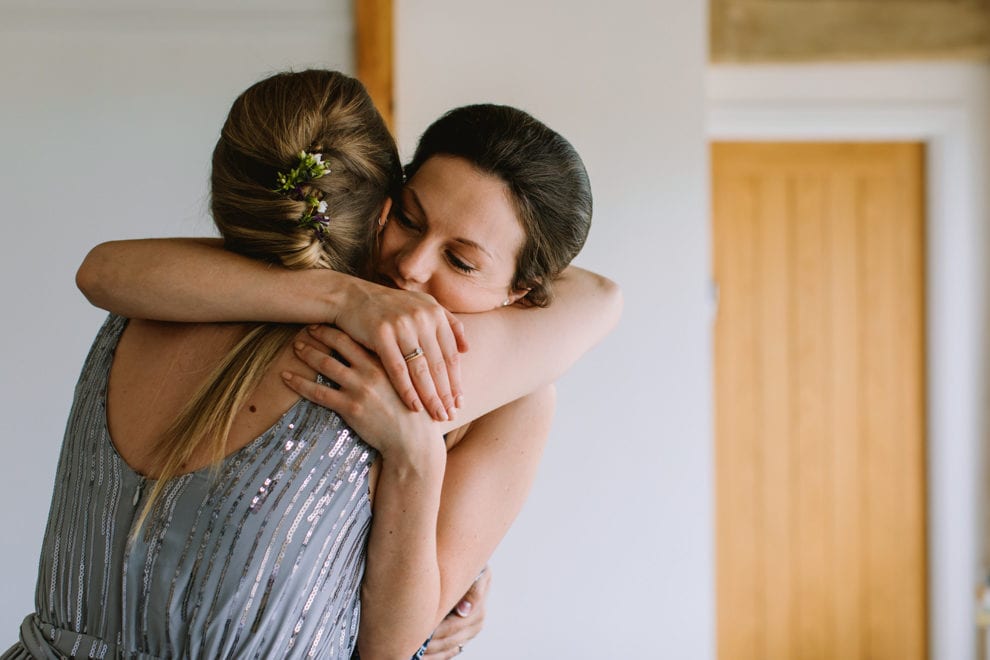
412,356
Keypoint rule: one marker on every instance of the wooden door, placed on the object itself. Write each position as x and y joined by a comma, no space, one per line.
820,411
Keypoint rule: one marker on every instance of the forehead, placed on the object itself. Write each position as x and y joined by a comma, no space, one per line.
460,201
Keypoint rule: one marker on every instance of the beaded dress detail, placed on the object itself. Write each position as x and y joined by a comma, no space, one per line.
263,559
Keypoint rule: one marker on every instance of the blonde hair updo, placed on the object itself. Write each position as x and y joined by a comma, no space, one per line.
314,111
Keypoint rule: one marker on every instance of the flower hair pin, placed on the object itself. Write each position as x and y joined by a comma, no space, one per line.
309,168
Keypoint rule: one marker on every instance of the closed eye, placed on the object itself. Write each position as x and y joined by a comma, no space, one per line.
459,264
404,220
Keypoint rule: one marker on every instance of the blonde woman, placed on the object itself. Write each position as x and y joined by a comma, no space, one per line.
224,562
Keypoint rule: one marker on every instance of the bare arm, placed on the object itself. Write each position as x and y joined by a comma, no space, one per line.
488,476
402,579
438,514
516,350
463,623
403,575
519,350
196,280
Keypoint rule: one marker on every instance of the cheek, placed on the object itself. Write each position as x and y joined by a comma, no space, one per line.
386,244
460,296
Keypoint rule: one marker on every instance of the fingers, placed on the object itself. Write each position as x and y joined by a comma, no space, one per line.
306,335
412,378
421,382
429,376
442,379
453,635
457,329
438,373
317,355
463,624
399,372
325,356
450,346
476,594
315,392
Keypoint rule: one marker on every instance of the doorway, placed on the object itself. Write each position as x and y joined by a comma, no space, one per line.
820,405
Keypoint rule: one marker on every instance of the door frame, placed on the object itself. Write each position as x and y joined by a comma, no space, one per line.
374,53
943,106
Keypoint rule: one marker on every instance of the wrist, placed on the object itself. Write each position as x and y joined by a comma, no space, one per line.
334,292
421,458
345,295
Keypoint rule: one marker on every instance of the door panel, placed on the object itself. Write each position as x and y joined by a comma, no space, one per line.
819,352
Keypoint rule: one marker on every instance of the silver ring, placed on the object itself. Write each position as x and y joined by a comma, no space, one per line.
409,357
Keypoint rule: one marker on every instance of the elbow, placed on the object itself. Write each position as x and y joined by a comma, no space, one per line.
95,273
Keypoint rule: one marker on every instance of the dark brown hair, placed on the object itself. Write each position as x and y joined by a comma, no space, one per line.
543,173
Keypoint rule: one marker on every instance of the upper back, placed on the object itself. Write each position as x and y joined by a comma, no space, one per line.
159,366
260,557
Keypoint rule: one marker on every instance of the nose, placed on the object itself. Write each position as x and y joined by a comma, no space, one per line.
414,265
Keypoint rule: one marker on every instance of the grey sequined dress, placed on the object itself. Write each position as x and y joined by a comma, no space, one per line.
264,560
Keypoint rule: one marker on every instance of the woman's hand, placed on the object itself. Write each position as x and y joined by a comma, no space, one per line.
417,340
196,280
400,592
365,398
463,624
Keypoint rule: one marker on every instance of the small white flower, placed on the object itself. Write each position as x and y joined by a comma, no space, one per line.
321,207
318,158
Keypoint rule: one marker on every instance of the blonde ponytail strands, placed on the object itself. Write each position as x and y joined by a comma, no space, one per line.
267,127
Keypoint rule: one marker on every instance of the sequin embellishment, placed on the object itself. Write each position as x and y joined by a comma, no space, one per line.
260,558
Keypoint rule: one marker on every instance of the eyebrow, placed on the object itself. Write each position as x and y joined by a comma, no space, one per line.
463,241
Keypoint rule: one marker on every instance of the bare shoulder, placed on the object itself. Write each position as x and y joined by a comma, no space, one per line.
186,345
521,425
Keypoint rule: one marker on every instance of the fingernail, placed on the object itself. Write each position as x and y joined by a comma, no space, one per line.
312,327
459,400
286,375
441,415
299,345
463,608
417,405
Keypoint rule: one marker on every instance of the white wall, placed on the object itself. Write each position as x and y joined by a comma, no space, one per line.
107,120
612,556
946,105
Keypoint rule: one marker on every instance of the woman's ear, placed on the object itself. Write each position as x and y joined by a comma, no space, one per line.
515,295
383,217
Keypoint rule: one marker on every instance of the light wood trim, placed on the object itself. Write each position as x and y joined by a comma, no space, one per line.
374,52
837,30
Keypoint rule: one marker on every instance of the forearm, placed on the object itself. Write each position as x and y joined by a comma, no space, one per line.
192,280
517,350
514,351
488,476
401,587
